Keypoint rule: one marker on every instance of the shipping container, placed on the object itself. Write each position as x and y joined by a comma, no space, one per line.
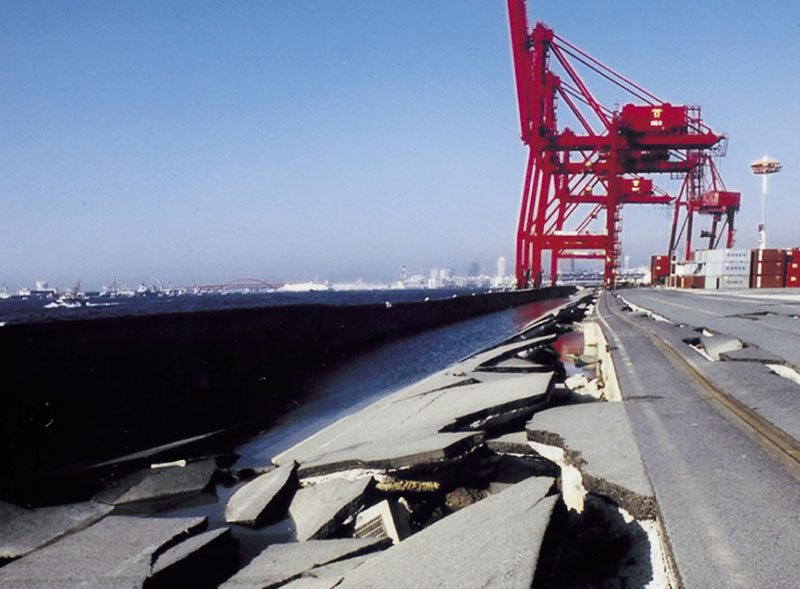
737,268
727,255
769,268
694,281
793,255
686,268
732,282
726,282
768,281
659,269
768,255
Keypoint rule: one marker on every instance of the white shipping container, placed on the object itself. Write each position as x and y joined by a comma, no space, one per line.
686,268
726,282
731,282
727,268
726,255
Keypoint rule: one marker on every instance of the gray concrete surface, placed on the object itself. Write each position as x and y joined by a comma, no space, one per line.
328,576
115,552
773,397
600,444
493,543
318,510
257,500
732,515
281,563
493,538
407,429
160,483
766,318
23,530
200,561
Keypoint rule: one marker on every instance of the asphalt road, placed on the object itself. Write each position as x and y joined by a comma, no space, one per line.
731,512
769,319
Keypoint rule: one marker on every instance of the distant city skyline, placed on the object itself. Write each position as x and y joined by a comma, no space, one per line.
202,142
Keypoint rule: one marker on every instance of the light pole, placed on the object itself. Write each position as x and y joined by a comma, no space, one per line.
764,167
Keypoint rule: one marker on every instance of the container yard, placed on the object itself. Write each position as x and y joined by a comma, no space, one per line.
727,269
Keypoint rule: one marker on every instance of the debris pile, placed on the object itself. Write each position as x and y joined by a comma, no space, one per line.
502,471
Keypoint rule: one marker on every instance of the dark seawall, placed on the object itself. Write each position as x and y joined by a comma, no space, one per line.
86,390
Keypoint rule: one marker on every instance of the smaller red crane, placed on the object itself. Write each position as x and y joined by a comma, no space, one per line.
704,192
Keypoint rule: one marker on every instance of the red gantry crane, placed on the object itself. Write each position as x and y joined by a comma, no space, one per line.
577,179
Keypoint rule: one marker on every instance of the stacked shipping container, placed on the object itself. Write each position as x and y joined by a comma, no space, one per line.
730,269
793,268
725,268
768,268
659,269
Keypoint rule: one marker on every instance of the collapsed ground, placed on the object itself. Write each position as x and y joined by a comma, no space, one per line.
511,468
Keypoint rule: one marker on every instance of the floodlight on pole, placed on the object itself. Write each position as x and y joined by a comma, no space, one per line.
764,167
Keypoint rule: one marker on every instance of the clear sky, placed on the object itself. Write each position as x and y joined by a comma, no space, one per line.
199,142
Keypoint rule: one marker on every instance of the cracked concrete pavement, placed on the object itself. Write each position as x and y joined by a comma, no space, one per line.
464,457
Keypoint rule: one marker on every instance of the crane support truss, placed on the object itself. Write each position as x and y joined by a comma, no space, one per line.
577,180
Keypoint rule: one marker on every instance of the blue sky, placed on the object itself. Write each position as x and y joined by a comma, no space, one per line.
198,142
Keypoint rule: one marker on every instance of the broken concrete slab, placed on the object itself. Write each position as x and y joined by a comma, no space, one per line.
513,443
514,365
318,510
406,431
281,563
598,441
498,353
719,344
760,389
204,560
493,543
329,575
433,383
262,498
115,552
402,451
156,484
751,354
470,407
24,530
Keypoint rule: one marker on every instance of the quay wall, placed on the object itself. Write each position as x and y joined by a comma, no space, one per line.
85,390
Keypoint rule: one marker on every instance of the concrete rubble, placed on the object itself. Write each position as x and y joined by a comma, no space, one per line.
205,559
328,576
598,442
494,543
318,510
459,480
115,552
25,530
717,344
281,563
262,498
172,481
